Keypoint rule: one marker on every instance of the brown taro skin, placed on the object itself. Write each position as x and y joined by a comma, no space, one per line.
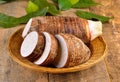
58,24
53,52
38,49
78,52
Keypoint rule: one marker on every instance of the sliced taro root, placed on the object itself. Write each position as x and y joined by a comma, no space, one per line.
39,49
72,51
32,46
27,28
50,50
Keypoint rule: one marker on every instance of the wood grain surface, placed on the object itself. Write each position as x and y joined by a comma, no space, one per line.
107,70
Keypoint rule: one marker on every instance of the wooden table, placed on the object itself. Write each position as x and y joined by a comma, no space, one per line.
107,70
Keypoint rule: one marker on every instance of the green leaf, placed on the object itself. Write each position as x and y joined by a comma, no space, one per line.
32,7
74,1
56,1
64,4
51,7
25,18
85,4
41,3
8,0
53,10
5,1
1,2
90,16
87,1
9,21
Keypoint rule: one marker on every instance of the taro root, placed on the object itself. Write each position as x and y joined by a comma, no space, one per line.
72,51
79,27
39,49
50,50
32,46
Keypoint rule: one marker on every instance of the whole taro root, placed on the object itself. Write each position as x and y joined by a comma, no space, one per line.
86,30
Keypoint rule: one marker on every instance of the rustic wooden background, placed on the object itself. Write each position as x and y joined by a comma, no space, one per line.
107,70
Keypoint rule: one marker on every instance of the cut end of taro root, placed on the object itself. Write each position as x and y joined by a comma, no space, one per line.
64,52
95,28
27,28
29,44
46,51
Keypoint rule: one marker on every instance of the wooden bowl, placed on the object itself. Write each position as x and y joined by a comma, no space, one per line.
98,48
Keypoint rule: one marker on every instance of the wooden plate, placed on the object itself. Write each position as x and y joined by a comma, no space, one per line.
97,46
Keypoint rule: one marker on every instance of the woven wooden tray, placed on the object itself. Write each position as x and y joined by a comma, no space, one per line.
97,46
